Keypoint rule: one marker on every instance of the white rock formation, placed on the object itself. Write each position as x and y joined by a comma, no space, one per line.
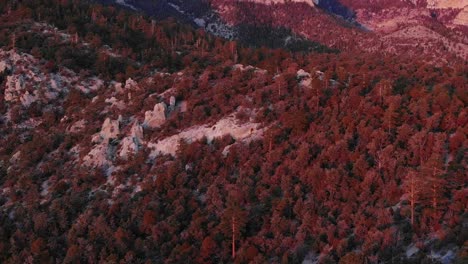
15,91
118,88
302,74
102,152
28,82
462,17
269,2
133,142
130,83
77,126
3,66
226,126
110,129
447,3
97,157
183,106
172,102
157,117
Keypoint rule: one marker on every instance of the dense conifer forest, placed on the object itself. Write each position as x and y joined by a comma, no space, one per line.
349,158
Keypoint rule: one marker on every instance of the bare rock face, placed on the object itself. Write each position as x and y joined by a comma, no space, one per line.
132,143
97,157
3,66
16,91
183,106
103,151
172,102
157,117
110,129
462,17
130,83
268,2
447,3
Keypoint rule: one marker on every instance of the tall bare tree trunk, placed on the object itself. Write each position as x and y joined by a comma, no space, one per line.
233,237
412,199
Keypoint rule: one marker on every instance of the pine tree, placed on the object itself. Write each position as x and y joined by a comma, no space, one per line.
233,222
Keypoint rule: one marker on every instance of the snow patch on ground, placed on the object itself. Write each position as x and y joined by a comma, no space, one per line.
45,188
123,3
176,7
445,257
411,250
199,21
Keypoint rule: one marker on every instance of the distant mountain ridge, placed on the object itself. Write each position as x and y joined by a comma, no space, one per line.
439,28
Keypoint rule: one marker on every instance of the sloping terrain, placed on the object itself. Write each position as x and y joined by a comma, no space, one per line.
349,31
127,140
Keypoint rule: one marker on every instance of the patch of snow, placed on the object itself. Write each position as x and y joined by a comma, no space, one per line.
176,7
123,3
200,22
444,257
311,258
411,250
45,188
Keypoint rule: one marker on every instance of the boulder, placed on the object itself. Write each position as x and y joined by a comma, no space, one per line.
183,106
157,117
172,102
130,83
133,142
110,129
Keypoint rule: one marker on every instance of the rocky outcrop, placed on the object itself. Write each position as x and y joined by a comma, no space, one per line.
447,3
130,83
172,103
104,150
229,125
157,117
183,106
462,18
110,129
97,157
268,2
132,143
26,83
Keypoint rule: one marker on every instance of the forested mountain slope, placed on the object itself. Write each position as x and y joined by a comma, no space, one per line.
126,140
